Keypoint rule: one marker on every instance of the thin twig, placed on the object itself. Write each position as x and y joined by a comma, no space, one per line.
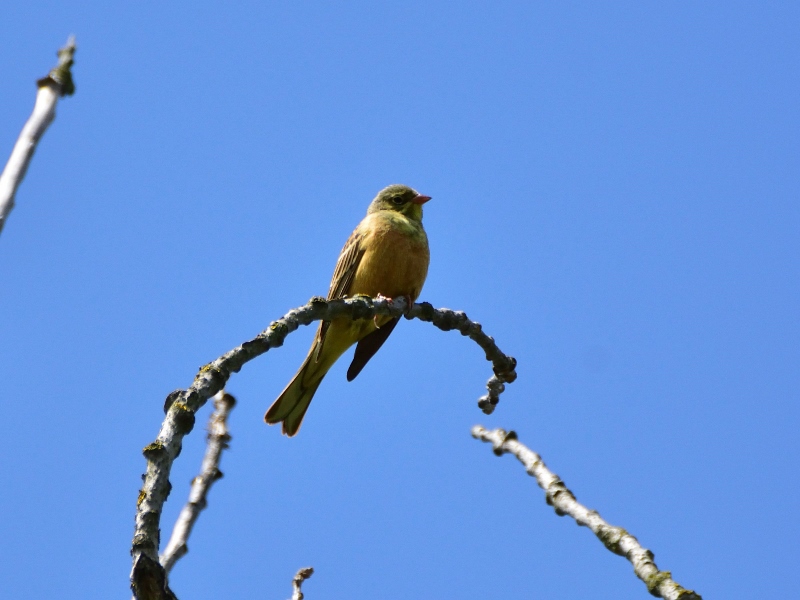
58,83
616,539
297,582
217,441
181,406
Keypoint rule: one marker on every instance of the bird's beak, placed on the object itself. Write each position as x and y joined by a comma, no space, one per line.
420,199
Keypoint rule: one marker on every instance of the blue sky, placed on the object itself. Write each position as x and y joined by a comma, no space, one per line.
614,197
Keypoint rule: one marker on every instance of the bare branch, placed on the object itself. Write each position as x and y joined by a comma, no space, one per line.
616,539
297,582
58,83
503,366
181,405
218,438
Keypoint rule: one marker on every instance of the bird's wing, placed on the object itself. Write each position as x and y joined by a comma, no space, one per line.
343,275
368,346
346,266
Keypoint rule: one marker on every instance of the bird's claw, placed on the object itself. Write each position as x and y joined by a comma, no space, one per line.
409,304
406,297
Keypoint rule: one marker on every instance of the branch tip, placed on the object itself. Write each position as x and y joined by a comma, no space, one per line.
297,582
61,74
57,83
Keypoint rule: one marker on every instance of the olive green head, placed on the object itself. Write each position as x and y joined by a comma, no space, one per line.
399,198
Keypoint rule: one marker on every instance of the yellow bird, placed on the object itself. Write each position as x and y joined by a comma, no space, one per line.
386,255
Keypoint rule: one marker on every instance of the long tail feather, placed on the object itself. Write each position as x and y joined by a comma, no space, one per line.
291,405
292,422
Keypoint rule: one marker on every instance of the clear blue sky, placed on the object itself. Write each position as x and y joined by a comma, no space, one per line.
615,199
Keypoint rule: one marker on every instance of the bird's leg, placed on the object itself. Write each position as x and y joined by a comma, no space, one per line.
406,297
409,304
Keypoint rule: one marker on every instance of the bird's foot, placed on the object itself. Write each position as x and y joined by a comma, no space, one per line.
406,297
409,304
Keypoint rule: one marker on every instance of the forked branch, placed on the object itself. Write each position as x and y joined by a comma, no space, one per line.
216,441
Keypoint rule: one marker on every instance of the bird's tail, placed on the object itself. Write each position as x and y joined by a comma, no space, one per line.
292,404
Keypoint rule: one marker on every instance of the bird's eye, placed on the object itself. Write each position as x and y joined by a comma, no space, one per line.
397,200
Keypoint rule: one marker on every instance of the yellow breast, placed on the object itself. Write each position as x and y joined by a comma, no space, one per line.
396,256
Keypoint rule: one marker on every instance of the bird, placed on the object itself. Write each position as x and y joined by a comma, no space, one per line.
386,255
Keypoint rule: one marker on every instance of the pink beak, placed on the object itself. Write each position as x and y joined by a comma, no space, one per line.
420,199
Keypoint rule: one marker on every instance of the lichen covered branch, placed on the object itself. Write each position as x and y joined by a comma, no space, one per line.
56,84
181,406
557,495
217,441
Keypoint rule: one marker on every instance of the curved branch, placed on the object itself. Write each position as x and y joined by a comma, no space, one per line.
181,406
218,438
616,539
58,83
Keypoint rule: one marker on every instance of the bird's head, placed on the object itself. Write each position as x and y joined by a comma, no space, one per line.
399,198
